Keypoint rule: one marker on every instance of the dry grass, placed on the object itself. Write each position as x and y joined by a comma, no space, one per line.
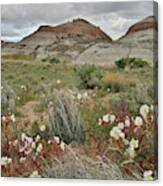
77,165
117,82
64,117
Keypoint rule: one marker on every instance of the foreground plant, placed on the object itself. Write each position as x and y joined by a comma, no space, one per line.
64,117
134,137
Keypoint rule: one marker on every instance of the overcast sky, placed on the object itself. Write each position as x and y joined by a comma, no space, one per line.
114,18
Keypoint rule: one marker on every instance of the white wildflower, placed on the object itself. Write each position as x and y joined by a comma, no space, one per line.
39,148
27,151
116,133
134,143
42,128
144,110
4,118
108,89
56,139
23,136
100,121
79,96
138,121
49,141
9,160
5,160
147,175
12,117
121,125
127,122
33,145
58,81
112,118
152,108
62,145
22,159
131,152
29,139
37,138
15,142
21,149
23,87
105,118
85,95
35,174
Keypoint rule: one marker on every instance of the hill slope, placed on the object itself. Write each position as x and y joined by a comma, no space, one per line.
137,42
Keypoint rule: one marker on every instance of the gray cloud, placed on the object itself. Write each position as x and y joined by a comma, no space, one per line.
114,18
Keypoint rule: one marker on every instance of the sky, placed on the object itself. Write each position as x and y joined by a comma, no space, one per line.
114,18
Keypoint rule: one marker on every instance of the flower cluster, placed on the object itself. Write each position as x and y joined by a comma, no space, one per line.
26,152
106,119
5,160
127,133
134,144
8,118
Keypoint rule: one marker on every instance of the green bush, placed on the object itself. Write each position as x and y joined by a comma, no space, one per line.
54,60
120,63
90,76
131,62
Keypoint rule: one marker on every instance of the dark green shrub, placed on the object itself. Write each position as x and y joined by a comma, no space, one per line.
90,76
120,63
54,60
131,62
137,63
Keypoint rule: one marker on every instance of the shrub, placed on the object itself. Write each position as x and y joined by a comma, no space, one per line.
54,60
90,76
120,63
144,93
64,117
8,97
131,62
117,82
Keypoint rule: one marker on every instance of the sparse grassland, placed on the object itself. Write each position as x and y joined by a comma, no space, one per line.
109,150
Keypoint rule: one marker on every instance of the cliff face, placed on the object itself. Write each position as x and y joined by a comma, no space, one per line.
76,29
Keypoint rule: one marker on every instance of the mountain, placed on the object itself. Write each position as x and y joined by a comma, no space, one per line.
77,29
139,41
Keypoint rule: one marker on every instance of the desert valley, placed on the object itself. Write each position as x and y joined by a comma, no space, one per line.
78,104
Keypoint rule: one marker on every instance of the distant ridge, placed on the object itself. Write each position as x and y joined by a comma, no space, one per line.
148,23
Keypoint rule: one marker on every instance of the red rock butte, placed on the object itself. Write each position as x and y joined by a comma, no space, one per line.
78,28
